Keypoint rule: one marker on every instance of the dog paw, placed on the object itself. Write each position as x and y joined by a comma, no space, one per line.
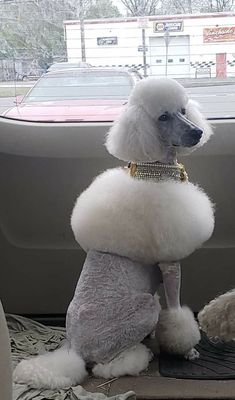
177,331
192,354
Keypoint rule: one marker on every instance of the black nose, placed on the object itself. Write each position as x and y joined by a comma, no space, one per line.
196,133
191,137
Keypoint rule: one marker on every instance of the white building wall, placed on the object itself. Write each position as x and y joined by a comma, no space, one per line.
125,52
129,36
201,52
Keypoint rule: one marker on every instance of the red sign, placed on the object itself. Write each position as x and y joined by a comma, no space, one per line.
220,34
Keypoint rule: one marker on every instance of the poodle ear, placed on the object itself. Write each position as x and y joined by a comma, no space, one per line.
133,136
194,114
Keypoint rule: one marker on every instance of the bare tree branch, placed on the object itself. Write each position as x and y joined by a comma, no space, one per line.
141,7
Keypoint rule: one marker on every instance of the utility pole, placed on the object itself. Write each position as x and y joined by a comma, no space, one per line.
143,23
82,30
144,52
167,41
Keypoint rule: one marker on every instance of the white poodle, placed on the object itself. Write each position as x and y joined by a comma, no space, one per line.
217,318
135,224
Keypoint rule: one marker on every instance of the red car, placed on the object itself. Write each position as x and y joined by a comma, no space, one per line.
88,94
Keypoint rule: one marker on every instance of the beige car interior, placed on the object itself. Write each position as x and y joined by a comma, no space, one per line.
43,168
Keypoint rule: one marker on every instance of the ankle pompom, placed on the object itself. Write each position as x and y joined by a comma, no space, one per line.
177,330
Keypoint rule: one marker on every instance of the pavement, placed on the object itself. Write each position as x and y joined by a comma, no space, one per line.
202,82
5,103
7,84
215,101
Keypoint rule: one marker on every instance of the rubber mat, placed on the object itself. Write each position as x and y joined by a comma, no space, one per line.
217,361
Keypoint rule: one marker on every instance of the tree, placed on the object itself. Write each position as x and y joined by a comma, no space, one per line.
167,7
142,7
218,5
195,6
33,29
180,6
89,9
102,9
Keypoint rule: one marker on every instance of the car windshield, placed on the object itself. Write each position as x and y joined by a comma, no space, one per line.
75,86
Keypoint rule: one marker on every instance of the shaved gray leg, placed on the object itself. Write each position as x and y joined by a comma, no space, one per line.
171,274
99,336
113,308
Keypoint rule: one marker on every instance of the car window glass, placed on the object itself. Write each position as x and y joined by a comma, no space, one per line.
84,86
190,41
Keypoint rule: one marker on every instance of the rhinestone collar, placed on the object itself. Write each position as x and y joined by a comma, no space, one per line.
155,171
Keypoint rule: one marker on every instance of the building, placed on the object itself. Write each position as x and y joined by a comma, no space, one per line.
201,45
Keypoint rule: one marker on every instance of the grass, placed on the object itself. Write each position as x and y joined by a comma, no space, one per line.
11,91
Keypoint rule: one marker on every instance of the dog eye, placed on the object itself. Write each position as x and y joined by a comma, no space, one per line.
183,111
164,117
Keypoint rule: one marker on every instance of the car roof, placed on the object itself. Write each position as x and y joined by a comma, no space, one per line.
92,70
66,64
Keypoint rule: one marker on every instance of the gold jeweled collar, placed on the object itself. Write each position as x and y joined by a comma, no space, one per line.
155,171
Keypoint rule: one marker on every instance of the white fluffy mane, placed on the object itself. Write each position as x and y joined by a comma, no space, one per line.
145,221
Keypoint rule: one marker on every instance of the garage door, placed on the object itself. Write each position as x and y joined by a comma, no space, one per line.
177,63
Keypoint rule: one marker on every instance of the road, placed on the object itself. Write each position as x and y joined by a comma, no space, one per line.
216,101
5,103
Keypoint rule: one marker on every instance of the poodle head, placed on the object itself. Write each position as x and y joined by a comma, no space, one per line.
159,115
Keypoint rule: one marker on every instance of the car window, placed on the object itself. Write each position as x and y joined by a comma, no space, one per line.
80,86
190,41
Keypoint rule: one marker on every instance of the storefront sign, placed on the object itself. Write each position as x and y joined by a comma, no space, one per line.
170,26
107,41
143,22
142,48
219,34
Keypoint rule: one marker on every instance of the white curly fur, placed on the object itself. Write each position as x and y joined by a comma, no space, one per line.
177,330
147,222
135,135
217,318
129,362
54,370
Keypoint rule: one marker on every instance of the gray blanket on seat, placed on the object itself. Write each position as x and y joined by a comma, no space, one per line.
29,338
